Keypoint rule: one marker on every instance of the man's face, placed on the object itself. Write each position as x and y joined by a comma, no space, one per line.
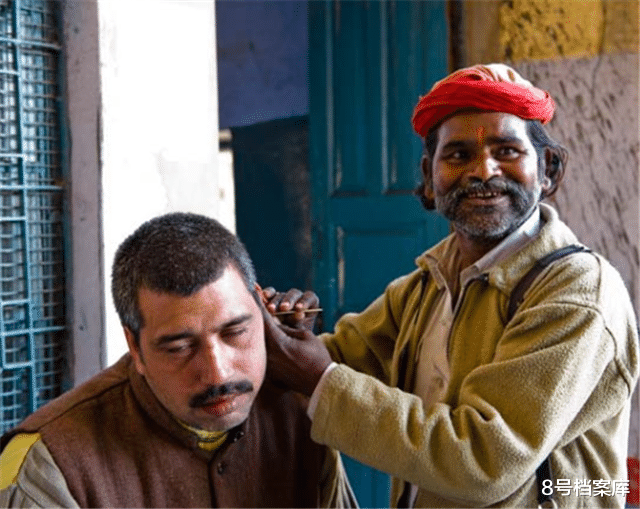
485,174
204,356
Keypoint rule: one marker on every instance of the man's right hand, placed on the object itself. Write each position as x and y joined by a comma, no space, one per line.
295,357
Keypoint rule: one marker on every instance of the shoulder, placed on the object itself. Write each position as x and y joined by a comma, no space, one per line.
13,455
581,279
79,403
585,279
586,287
30,476
400,289
276,403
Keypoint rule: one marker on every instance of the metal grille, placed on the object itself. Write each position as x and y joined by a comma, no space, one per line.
32,317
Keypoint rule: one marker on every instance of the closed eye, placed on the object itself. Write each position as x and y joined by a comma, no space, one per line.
178,347
236,336
177,343
236,331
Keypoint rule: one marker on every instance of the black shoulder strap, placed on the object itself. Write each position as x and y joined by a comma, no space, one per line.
543,472
517,295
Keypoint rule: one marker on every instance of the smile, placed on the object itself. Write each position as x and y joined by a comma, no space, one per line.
484,194
486,198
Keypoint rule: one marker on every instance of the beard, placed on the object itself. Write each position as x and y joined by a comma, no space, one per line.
488,223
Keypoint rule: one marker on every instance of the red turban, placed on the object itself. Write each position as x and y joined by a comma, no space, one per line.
493,87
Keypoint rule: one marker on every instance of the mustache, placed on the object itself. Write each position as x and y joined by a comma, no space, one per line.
215,391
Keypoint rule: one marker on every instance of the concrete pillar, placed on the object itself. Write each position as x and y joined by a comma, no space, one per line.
143,118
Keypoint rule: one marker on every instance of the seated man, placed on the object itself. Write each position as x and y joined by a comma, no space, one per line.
186,418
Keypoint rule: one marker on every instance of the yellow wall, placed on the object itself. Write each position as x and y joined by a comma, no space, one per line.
546,29
542,29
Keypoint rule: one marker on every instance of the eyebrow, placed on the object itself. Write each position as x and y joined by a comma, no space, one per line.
492,140
168,338
453,144
496,140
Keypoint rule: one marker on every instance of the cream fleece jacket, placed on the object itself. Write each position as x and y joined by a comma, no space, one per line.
554,381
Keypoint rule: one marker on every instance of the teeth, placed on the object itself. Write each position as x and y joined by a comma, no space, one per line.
482,195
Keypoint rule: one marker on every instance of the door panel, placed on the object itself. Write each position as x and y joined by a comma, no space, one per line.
376,240
369,64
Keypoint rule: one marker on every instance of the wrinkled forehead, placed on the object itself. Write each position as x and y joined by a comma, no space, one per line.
481,127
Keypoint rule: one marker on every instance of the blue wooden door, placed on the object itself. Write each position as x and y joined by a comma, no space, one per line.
369,63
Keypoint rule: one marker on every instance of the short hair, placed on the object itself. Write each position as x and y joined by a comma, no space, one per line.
177,253
540,139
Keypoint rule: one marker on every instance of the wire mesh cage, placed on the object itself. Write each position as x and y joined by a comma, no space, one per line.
32,314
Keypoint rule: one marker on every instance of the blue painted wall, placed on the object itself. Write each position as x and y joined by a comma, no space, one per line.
262,60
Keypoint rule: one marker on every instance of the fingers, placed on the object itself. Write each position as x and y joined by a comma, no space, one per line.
268,293
287,301
275,330
272,299
308,300
271,323
293,300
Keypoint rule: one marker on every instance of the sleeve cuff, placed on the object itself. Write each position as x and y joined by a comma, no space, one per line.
313,401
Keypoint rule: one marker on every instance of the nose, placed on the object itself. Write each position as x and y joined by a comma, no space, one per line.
214,363
485,166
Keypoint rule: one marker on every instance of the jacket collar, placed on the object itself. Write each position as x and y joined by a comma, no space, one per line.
505,274
554,234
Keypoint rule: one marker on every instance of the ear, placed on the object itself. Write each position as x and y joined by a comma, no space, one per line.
548,170
425,164
258,289
134,350
554,163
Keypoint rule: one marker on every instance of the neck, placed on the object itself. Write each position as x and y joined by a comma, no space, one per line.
471,250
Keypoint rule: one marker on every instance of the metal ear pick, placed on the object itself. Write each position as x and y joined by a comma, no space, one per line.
293,311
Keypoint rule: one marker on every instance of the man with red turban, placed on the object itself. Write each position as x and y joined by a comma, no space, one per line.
499,372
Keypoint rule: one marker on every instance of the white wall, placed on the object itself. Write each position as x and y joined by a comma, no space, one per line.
152,124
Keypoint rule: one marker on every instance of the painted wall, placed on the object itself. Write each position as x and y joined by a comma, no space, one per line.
586,55
262,61
143,137
159,120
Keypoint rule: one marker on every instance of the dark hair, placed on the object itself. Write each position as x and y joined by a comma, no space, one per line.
552,159
176,253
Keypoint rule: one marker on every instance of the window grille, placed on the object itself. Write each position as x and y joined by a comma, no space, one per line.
32,314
